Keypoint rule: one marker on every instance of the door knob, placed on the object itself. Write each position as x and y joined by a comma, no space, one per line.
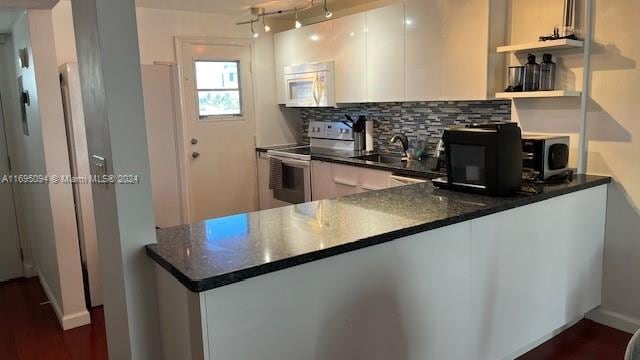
194,141
195,155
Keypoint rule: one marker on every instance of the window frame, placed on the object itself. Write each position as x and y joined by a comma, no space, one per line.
221,117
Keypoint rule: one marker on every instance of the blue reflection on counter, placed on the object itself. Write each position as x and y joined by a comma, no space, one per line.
227,230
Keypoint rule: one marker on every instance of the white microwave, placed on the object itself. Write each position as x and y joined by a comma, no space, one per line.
310,85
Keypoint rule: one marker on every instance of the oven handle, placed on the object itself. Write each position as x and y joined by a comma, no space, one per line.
289,161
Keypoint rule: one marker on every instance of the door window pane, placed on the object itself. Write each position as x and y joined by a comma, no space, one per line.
212,103
218,88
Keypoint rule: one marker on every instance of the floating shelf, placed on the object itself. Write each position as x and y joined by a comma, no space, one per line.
538,94
560,44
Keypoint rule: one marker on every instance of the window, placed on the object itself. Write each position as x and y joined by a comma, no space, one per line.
218,88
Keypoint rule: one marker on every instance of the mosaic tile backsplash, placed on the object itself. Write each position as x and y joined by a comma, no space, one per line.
418,120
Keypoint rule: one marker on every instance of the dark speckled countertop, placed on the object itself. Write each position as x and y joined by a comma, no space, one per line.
218,252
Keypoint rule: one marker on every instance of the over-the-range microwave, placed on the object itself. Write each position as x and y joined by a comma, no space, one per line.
310,85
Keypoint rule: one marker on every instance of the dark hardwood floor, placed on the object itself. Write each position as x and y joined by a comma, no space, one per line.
29,330
587,340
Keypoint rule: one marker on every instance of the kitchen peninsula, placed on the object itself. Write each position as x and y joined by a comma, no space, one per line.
411,272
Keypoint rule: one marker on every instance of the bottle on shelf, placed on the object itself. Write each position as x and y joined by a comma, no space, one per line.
547,73
531,74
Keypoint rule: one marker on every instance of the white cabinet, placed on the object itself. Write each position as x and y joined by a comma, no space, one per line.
423,50
350,50
416,50
283,46
330,180
312,43
535,269
472,70
385,53
321,181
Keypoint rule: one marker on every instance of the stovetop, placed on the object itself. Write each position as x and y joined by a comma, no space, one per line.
305,152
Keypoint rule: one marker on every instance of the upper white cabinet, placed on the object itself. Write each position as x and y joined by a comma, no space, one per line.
472,29
385,53
283,46
413,50
423,50
313,43
350,55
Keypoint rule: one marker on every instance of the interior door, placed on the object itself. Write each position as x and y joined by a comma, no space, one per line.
10,261
219,129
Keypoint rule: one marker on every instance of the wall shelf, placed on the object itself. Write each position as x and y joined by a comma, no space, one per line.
538,94
550,45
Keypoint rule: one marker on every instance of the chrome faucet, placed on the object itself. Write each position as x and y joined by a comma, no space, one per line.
404,141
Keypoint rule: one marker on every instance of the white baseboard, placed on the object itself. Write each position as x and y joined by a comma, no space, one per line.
615,320
68,321
29,270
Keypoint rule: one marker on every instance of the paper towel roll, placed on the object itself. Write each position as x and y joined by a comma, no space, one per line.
369,135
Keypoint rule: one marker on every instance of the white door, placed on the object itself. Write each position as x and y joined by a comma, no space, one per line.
219,129
10,261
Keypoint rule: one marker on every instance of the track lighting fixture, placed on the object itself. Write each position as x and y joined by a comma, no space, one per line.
327,13
267,28
297,24
253,33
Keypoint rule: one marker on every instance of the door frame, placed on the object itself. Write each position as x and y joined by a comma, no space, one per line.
183,150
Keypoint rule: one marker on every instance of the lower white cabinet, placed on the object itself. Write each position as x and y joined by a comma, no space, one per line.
484,289
329,180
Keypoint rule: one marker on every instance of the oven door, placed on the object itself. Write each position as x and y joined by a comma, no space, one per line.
296,182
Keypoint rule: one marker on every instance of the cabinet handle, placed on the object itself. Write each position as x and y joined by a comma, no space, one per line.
372,188
345,183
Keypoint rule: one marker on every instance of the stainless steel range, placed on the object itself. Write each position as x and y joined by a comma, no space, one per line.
290,173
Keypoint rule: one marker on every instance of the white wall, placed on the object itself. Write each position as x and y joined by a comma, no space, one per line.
157,30
614,148
47,210
613,132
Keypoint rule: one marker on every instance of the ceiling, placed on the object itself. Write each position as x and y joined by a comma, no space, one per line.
6,19
237,7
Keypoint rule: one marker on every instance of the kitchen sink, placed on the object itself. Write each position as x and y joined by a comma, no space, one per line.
385,159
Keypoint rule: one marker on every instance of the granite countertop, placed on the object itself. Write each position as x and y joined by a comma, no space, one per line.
223,251
414,168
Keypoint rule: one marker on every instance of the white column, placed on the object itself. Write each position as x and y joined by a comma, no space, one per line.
109,61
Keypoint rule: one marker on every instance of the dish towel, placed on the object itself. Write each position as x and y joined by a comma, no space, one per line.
275,174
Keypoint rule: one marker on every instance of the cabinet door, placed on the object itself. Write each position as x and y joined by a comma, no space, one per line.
264,193
283,45
466,47
423,50
321,181
313,43
371,180
349,41
345,179
385,53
